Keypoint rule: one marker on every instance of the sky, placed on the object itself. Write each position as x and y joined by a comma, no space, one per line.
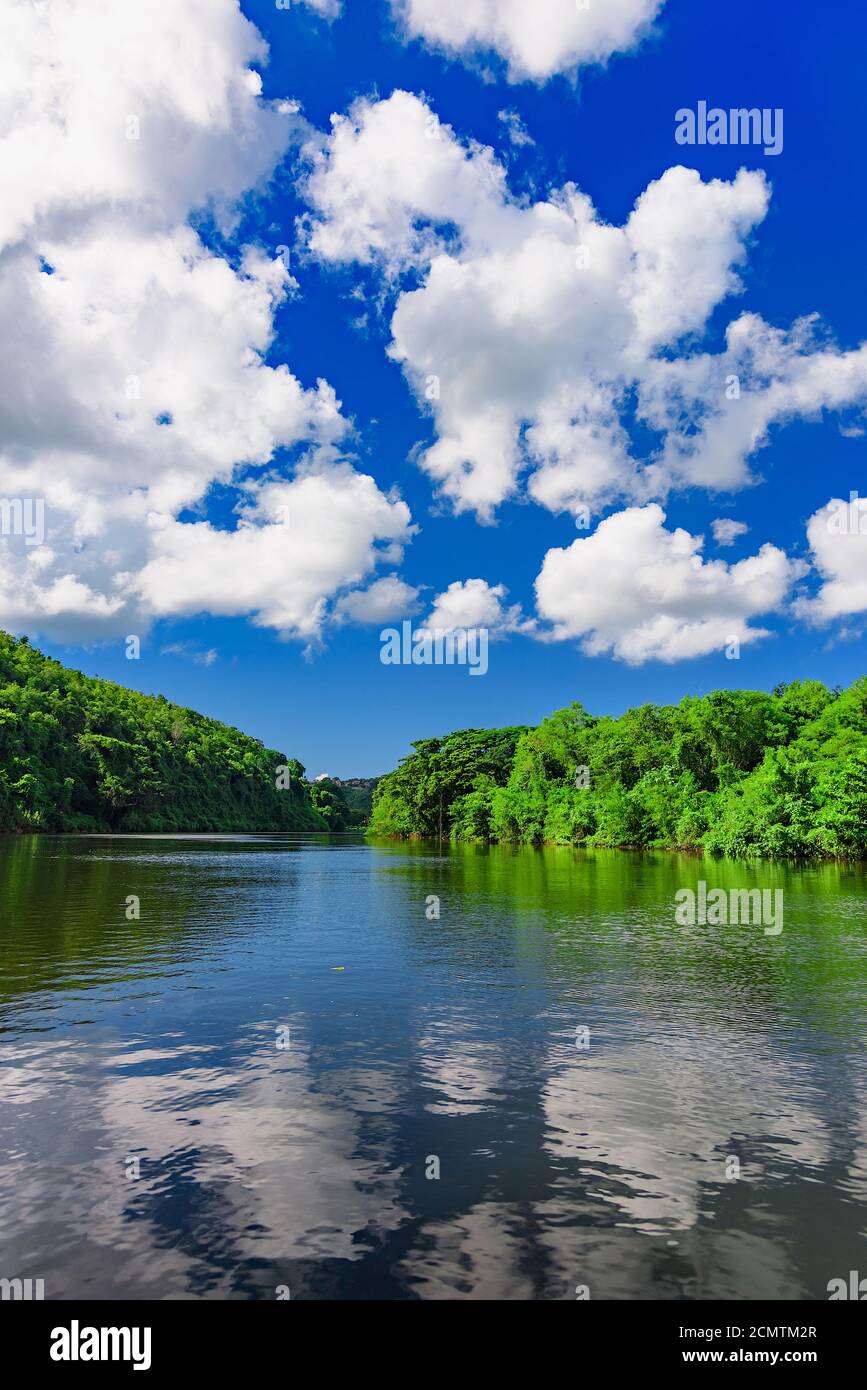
322,316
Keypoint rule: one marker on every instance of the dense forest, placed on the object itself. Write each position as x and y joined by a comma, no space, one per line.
344,805
737,772
77,753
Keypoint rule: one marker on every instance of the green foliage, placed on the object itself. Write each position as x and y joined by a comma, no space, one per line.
357,792
432,788
329,801
78,753
735,772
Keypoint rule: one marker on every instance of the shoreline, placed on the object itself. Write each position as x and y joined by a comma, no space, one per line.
363,833
693,851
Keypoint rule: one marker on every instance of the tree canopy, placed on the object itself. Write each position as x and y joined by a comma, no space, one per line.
79,753
736,772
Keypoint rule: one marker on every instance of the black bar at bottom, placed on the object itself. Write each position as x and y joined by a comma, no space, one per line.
82,1339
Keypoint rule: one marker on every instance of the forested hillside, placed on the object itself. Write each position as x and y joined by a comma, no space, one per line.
736,772
77,753
344,805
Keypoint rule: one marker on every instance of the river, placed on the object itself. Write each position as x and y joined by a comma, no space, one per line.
292,1066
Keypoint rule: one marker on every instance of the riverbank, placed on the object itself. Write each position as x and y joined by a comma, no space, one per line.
738,772
691,851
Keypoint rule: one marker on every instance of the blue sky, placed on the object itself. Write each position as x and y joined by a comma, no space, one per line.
610,131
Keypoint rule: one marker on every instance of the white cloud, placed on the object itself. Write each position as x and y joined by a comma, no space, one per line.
140,373
837,534
473,603
726,530
384,601
535,40
61,606
536,330
189,653
641,592
520,339
717,410
129,331
516,130
389,176
685,237
329,9
507,331
296,545
138,378
76,77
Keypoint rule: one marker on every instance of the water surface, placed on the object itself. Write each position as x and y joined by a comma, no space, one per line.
711,1142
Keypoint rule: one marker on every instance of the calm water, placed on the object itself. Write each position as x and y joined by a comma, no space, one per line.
414,1042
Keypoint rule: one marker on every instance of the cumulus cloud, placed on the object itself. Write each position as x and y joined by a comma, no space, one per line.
717,410
59,605
138,383
530,321
139,365
536,332
726,530
137,376
536,40
296,544
383,601
141,375
152,107
642,592
473,603
837,534
390,178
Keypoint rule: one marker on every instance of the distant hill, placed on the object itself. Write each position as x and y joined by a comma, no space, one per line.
345,804
79,753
